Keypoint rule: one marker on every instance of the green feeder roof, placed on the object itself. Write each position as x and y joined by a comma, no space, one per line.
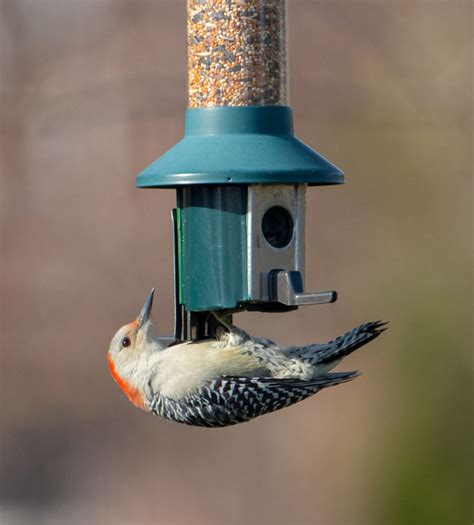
239,145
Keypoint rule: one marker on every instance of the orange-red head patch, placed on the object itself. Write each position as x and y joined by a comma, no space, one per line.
132,393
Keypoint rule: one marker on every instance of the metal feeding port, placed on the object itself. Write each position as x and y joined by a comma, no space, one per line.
239,172
276,248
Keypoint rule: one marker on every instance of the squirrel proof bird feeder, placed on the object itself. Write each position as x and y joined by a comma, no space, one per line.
239,172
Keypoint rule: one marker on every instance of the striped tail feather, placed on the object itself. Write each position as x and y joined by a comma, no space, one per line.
341,346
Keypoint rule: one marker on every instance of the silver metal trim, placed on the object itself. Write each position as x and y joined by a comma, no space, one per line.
262,258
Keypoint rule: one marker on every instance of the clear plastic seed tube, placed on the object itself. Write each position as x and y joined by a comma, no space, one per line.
237,53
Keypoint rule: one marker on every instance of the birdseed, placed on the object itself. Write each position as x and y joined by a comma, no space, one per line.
237,53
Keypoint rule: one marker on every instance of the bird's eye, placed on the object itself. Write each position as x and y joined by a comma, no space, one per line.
125,342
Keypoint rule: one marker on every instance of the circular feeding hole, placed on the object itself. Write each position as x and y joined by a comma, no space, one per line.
277,227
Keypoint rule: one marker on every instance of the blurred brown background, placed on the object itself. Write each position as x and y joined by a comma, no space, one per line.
94,90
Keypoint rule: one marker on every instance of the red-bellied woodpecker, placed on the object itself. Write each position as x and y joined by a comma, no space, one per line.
220,382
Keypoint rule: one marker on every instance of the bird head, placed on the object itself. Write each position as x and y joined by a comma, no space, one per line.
129,354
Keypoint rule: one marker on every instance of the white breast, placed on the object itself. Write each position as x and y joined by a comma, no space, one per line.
181,369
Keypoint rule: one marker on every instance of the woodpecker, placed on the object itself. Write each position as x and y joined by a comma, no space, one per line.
228,380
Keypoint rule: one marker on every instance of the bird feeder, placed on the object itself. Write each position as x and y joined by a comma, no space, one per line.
239,172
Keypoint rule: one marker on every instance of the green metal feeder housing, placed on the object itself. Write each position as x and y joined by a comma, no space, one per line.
239,172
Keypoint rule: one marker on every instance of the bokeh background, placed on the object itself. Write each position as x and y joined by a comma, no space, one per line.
91,92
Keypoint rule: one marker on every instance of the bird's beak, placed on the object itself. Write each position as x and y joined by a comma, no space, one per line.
146,310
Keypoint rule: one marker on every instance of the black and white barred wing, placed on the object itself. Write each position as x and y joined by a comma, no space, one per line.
230,400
